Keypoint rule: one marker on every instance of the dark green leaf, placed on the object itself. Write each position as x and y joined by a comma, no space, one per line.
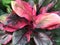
57,6
1,12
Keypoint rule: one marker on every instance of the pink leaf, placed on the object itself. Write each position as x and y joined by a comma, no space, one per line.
28,35
1,26
43,10
13,23
6,39
22,9
47,19
9,29
57,12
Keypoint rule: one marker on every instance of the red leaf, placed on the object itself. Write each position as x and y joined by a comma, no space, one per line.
53,27
9,29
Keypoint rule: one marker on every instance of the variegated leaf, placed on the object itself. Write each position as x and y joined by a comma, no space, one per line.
42,39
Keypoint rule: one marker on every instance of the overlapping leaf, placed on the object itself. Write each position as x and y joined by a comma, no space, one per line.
42,39
20,37
22,9
5,39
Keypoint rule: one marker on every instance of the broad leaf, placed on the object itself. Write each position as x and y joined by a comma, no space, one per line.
12,22
6,2
22,9
42,39
21,37
45,20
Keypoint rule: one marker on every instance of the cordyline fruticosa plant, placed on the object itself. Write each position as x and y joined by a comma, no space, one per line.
26,17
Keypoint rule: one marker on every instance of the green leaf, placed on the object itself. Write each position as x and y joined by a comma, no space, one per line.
9,9
56,36
1,12
3,17
6,2
56,32
57,6
0,44
46,2
57,40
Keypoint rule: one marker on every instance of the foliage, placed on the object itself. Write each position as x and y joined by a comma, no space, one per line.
5,5
30,23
